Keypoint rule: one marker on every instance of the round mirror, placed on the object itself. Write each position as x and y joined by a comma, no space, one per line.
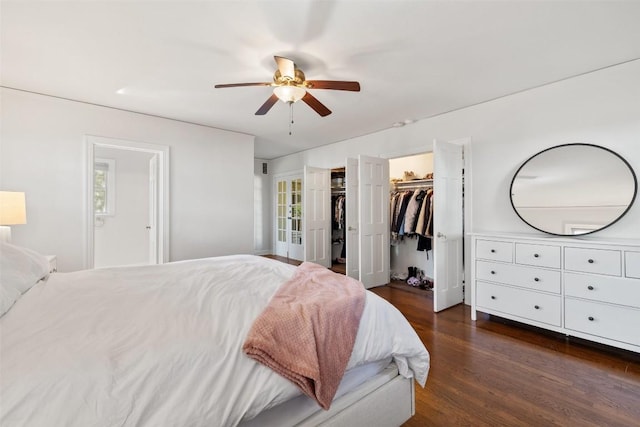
573,189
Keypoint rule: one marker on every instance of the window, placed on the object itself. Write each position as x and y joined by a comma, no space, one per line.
104,189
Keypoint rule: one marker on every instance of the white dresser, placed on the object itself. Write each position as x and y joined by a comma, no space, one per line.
583,287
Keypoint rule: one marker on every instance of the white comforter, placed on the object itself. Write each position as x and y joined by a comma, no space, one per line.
161,346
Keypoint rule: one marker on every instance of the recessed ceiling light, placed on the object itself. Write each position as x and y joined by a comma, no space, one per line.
403,123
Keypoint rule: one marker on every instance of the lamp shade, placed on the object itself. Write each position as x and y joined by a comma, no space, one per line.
12,208
289,93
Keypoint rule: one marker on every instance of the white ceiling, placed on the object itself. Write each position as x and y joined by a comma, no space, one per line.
413,59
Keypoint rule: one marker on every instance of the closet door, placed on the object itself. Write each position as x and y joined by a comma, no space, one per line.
317,215
447,225
373,186
352,208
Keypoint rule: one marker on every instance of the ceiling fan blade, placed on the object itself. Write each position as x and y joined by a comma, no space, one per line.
318,106
241,84
267,105
286,66
333,84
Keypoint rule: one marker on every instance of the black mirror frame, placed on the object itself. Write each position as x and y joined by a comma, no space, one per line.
635,190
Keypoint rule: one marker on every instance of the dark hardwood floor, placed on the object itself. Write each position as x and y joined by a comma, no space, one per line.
495,372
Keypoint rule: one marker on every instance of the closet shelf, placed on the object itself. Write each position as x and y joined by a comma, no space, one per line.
338,190
416,183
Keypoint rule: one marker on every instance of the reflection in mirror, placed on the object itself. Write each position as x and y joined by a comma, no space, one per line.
573,189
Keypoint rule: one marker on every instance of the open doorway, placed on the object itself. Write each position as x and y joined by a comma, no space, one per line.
411,229
338,221
123,203
438,196
126,203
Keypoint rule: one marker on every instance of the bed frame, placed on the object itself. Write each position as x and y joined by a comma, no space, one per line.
390,405
386,400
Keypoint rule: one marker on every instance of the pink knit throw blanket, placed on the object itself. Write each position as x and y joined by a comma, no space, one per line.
307,331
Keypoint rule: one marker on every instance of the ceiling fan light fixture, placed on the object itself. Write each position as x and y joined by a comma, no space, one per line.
288,93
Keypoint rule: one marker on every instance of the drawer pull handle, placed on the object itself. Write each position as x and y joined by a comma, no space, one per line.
536,279
493,272
536,255
590,287
591,319
590,261
493,251
493,297
537,307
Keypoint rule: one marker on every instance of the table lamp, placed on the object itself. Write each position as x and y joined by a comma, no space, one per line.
12,212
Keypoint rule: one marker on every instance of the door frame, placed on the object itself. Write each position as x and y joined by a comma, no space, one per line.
467,214
162,199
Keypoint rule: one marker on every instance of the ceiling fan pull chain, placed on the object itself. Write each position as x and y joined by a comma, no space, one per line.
290,116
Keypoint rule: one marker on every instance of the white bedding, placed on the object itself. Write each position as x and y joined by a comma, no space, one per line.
161,346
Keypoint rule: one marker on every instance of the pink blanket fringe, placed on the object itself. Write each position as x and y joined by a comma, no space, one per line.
307,331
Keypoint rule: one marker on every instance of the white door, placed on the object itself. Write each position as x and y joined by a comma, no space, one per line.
152,228
352,204
447,225
317,215
289,239
373,188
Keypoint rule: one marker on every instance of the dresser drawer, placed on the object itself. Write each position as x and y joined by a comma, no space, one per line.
544,308
615,290
529,277
632,264
539,255
495,251
599,261
603,320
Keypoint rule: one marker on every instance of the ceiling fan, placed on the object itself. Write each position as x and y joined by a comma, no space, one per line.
290,85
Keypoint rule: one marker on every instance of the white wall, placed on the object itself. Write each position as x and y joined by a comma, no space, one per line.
42,153
600,108
262,215
419,164
122,238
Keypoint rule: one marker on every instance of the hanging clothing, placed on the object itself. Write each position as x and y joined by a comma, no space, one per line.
425,216
338,220
338,211
402,202
425,223
413,210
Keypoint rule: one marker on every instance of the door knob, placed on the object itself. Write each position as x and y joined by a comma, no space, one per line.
351,228
441,236
148,227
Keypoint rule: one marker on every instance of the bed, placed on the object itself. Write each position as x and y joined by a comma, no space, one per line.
163,346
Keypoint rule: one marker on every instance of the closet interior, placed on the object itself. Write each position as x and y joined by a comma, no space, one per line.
411,220
338,220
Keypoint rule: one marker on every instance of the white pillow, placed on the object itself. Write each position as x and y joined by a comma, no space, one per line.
20,269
